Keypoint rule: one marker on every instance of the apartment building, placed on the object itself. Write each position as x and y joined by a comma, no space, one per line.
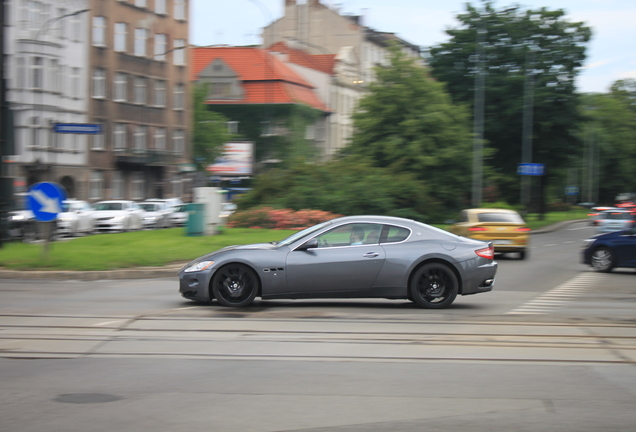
46,71
139,93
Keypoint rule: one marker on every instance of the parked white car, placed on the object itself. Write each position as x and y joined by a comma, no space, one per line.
76,217
157,214
117,216
179,215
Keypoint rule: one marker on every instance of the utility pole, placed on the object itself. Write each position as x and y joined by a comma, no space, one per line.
6,137
478,122
528,119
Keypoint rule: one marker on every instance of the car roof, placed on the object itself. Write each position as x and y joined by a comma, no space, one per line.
490,210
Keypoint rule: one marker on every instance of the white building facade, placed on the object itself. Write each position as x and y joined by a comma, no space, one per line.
46,70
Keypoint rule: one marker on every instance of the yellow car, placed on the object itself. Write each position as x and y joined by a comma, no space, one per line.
506,229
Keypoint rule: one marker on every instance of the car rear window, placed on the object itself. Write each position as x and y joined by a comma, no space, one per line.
500,217
619,216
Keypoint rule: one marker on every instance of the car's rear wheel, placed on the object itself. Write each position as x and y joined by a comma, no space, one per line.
603,260
523,254
434,286
235,285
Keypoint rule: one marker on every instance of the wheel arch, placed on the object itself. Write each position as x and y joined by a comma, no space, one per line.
458,275
259,293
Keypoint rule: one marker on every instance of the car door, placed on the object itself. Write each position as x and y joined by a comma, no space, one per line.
336,266
625,248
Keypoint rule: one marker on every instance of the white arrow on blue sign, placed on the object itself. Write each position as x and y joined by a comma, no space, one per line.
531,169
45,200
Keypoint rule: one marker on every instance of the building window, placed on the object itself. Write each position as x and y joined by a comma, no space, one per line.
37,64
160,7
177,186
137,185
76,27
121,34
139,139
98,139
119,136
179,9
54,78
160,93
232,127
178,141
96,185
121,84
99,31
140,42
178,53
61,24
179,102
160,139
140,90
75,82
99,83
20,73
117,185
161,42
140,3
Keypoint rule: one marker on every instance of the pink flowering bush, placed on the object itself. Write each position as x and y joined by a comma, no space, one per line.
284,219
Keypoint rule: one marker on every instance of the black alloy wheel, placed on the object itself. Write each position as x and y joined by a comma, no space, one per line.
235,285
434,286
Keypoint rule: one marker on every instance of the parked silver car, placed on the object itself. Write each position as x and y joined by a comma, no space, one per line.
76,217
117,216
157,214
349,257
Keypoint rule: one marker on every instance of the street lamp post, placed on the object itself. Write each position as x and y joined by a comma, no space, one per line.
527,129
478,123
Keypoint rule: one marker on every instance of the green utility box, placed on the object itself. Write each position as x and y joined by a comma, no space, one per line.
196,219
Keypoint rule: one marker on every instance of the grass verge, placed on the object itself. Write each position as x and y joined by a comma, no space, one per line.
160,247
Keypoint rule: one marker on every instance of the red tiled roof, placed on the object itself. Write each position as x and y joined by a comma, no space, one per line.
322,62
265,79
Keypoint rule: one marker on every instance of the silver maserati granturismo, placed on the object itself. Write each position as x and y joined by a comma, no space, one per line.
348,257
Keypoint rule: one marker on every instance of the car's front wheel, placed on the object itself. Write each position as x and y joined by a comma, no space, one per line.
235,285
602,260
434,286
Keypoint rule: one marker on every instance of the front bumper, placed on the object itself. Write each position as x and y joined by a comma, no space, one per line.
195,285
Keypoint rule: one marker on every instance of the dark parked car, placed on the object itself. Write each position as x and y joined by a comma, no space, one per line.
349,257
607,251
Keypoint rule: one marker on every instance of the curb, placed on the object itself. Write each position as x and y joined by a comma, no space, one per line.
557,226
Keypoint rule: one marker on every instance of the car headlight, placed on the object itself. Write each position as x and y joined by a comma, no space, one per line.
199,266
588,242
119,218
18,217
66,218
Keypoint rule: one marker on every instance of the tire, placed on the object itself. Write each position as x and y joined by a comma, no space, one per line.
602,260
235,285
434,286
524,254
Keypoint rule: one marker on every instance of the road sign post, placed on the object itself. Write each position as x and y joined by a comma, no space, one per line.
45,201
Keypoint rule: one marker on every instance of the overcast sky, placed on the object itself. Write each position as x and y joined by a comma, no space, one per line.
611,54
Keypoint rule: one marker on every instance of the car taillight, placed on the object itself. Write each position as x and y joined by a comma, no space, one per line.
477,229
488,253
524,229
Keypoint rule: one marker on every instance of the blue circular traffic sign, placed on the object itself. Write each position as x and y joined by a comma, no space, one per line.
45,200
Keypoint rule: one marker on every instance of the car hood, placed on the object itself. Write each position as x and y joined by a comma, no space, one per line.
211,255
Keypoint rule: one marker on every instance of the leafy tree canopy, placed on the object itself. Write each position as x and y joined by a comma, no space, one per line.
209,131
408,123
541,45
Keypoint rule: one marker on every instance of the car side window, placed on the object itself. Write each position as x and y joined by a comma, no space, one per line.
350,235
395,234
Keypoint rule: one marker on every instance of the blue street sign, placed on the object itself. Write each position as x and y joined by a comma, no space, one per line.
531,169
45,200
77,128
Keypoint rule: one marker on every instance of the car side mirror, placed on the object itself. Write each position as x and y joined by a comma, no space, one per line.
309,244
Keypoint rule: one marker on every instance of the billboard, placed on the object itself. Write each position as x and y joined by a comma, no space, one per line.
237,159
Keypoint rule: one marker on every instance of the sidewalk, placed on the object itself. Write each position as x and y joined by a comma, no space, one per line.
169,271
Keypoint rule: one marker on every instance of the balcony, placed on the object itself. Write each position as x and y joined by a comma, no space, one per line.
145,157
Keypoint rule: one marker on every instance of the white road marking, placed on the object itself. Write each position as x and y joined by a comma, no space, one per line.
105,323
557,297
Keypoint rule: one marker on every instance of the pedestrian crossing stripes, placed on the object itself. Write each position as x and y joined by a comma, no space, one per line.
557,297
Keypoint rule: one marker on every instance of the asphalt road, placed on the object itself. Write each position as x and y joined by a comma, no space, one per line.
552,348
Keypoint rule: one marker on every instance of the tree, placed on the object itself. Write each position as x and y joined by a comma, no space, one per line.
408,124
209,131
535,44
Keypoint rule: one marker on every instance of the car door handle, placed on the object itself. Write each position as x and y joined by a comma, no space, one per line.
370,254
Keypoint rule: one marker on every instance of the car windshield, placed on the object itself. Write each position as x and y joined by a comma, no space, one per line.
108,206
500,217
148,206
300,234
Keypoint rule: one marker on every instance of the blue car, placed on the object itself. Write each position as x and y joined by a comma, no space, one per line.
607,251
